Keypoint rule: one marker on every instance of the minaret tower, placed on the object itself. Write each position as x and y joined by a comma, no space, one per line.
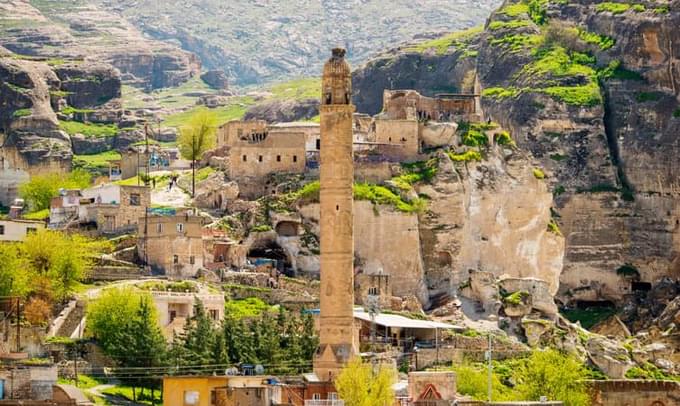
337,338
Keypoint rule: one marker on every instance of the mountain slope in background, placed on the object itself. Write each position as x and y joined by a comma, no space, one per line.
261,40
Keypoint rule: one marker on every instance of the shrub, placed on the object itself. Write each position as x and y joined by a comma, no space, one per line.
381,195
643,97
37,312
517,42
504,138
537,11
246,308
628,270
602,41
516,298
676,113
261,228
514,10
467,156
557,61
554,228
538,173
639,8
662,10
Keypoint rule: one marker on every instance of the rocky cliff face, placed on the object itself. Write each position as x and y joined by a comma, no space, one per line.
256,41
592,97
80,31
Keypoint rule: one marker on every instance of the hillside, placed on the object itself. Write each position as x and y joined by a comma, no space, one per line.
256,41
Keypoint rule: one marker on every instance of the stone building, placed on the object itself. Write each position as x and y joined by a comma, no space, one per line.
635,393
409,104
235,130
175,307
261,154
16,230
172,245
111,208
133,161
337,341
28,382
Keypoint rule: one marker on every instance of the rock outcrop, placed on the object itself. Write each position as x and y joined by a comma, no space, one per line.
282,111
601,130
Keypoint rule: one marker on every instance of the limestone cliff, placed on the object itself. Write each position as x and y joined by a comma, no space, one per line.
590,94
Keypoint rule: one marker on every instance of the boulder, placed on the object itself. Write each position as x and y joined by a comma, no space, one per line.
84,145
214,192
436,134
612,359
536,330
484,289
89,84
216,79
538,289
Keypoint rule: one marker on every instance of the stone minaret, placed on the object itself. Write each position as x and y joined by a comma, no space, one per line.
337,338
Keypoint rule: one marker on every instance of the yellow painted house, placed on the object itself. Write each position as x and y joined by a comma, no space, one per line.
220,391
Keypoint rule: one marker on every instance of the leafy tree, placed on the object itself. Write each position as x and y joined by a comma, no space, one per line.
555,375
60,260
359,385
42,188
197,137
12,280
109,314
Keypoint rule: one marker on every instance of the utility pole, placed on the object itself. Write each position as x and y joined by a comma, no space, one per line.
488,358
436,344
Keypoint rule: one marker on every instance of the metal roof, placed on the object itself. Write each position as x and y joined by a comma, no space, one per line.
395,320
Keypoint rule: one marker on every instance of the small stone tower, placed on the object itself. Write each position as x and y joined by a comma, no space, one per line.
337,338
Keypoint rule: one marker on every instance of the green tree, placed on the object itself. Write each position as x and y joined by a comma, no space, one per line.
60,260
109,314
39,191
198,338
555,375
197,137
13,280
358,384
141,344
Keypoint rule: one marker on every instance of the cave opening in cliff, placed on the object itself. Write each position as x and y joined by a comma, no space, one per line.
270,251
640,286
590,304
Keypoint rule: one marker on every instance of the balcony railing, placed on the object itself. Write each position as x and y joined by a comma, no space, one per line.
324,403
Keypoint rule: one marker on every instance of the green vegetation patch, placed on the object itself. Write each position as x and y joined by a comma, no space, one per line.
517,298
501,92
377,194
515,10
584,96
246,308
223,114
602,41
628,270
517,42
21,113
614,8
203,173
415,172
474,134
88,129
510,25
644,97
559,62
466,156
676,113
554,228
297,89
590,316
441,45
95,161
43,214
651,372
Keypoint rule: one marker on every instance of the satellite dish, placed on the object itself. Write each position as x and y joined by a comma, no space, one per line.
259,370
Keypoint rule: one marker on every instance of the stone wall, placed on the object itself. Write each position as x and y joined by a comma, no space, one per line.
276,153
635,393
421,385
229,133
402,134
29,382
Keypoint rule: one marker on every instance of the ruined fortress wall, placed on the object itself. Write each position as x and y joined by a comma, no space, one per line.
284,152
399,133
402,104
312,132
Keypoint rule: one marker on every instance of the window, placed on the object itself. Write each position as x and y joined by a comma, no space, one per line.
278,158
259,158
159,228
316,396
373,291
245,158
192,260
214,314
294,158
134,199
180,227
332,396
31,230
175,259
2,230
191,398
318,143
